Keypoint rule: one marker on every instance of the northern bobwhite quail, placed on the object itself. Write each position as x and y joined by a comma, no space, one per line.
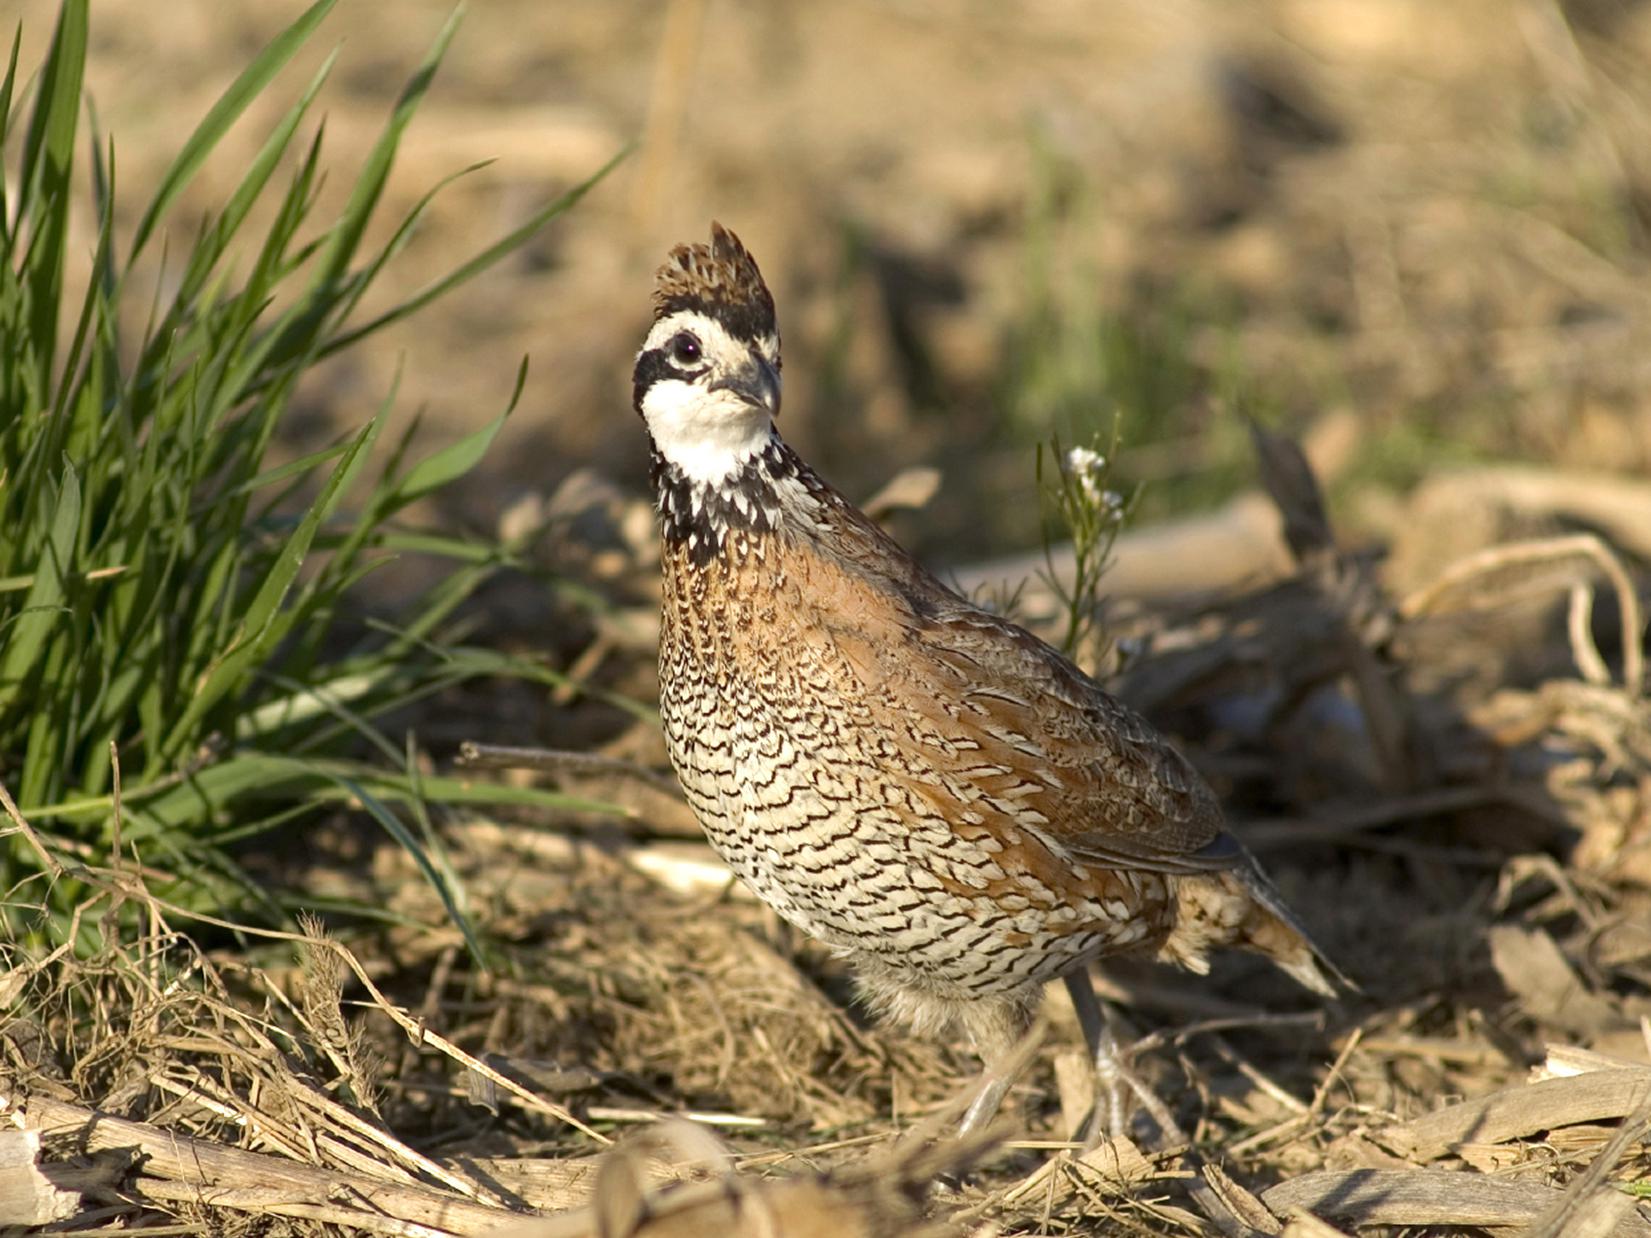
941,797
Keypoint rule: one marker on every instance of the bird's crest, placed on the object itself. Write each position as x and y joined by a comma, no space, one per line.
721,280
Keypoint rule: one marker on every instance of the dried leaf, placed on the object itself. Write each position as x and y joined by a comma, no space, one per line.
1536,972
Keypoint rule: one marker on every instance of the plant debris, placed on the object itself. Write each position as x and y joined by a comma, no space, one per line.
1481,870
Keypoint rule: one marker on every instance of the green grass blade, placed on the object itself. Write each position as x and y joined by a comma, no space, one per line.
51,133
427,475
94,309
205,257
44,181
224,113
398,240
47,598
291,470
6,86
434,847
474,662
334,290
264,622
434,608
369,185
43,750
451,462
481,262
267,777
305,702
396,829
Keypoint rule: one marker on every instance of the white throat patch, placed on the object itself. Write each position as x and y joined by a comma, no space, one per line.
709,435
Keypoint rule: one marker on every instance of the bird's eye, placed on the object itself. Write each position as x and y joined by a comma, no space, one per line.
685,348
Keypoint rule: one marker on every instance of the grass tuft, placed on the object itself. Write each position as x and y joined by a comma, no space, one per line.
170,599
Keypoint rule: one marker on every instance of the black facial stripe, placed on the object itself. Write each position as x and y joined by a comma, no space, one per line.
653,366
747,322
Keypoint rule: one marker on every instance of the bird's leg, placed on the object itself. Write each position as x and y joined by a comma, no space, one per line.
1117,1087
994,1084
1112,1086
1001,1034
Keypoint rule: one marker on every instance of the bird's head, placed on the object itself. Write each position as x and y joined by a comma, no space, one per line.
707,380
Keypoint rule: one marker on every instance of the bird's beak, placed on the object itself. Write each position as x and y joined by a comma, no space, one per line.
756,382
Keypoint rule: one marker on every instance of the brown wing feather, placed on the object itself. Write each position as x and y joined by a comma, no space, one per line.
993,708
1123,791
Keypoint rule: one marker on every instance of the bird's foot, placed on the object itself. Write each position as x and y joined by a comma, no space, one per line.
1114,1108
1121,1096
1119,1092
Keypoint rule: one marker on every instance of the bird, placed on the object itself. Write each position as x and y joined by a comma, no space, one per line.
942,798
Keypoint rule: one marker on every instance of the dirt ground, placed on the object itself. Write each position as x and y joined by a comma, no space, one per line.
1414,236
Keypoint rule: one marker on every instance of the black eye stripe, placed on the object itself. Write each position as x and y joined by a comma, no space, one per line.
654,365
661,362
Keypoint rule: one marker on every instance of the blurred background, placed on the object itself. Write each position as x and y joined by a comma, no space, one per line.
1414,233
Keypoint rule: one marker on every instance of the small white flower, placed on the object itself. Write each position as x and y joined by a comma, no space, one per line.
1088,466
1085,462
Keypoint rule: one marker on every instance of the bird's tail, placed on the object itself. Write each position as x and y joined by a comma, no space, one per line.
1276,932
1239,908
